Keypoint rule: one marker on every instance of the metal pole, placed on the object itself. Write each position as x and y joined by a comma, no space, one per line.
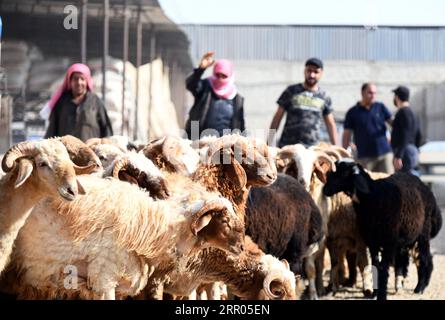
125,58
138,64
152,57
83,34
105,48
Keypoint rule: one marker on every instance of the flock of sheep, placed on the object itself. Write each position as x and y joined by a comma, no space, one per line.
210,219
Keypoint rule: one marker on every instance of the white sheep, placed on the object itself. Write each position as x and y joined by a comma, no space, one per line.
114,236
33,170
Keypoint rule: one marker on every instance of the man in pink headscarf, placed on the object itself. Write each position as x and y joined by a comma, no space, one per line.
217,106
74,109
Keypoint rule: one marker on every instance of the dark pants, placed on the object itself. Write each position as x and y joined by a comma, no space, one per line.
410,159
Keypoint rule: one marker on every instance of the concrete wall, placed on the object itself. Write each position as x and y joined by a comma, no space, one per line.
261,83
433,111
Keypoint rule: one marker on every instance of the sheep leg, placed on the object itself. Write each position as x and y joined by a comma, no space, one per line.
401,267
365,270
376,264
309,265
425,265
387,257
337,255
319,266
351,257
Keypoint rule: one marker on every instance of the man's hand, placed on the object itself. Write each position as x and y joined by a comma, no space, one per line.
207,60
397,162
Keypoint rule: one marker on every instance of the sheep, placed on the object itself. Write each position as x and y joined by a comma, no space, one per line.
344,241
33,170
231,179
393,213
309,167
251,275
115,237
284,220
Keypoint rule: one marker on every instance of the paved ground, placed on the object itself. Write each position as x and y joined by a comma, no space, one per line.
436,288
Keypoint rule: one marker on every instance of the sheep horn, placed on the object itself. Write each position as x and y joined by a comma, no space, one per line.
333,153
85,169
93,141
118,165
342,151
286,153
220,144
22,149
323,157
153,148
268,280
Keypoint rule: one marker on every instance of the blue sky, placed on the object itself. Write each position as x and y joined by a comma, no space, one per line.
318,12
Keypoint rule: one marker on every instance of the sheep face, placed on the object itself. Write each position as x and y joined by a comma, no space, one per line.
224,232
215,224
47,165
347,178
259,165
252,155
107,153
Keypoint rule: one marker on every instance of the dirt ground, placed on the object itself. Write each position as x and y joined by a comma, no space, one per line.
436,288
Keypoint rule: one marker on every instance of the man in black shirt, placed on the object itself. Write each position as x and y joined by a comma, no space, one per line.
405,137
305,105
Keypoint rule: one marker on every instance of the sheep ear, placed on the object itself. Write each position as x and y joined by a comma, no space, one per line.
25,170
286,263
235,172
320,171
80,188
201,223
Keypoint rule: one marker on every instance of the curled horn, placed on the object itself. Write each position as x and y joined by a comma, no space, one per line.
323,157
270,278
22,149
152,149
93,141
118,165
342,151
287,152
85,169
216,147
333,153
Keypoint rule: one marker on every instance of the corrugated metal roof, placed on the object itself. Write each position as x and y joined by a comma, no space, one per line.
334,43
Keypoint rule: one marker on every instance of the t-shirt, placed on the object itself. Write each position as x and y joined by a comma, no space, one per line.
304,110
369,129
405,131
220,115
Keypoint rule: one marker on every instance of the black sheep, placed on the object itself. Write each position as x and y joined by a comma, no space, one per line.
393,214
283,220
